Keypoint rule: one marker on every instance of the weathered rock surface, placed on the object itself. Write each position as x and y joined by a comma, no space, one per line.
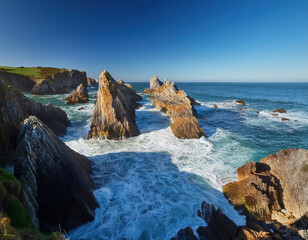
114,111
55,178
80,95
176,104
59,83
154,84
91,81
241,102
274,189
14,108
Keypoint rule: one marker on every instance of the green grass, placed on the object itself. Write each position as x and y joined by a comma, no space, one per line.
304,167
32,72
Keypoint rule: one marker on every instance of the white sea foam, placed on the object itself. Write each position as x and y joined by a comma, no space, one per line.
151,185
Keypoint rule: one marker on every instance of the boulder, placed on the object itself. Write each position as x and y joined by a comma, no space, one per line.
176,104
62,82
280,111
14,108
214,106
114,111
274,189
80,95
241,102
91,81
55,178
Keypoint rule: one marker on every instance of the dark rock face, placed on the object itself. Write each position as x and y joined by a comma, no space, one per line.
59,83
241,102
19,82
55,178
114,111
80,95
176,104
274,189
14,108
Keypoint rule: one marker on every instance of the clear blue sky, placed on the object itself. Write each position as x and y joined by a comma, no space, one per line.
191,40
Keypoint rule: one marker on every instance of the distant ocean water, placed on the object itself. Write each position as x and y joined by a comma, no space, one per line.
150,186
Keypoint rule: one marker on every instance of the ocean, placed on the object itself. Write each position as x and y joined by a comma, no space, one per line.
152,185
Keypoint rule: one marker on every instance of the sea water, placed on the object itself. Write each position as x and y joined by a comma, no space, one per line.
152,185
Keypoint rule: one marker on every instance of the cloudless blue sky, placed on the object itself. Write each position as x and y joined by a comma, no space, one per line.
191,40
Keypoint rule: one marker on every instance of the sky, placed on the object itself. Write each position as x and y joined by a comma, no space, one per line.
191,40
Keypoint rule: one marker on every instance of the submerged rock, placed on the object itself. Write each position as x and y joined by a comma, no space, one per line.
55,178
80,95
176,104
14,108
59,83
274,189
114,111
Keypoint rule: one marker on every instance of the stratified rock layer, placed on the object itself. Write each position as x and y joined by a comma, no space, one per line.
59,83
114,111
14,108
176,104
80,95
55,178
274,189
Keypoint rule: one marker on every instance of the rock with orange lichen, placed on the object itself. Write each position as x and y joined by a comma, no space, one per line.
154,84
176,104
114,111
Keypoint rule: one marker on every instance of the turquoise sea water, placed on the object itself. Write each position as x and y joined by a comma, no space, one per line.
150,186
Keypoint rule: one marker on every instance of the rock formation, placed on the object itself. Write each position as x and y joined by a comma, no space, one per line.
55,178
14,108
114,111
80,95
59,83
91,81
241,102
19,82
280,111
274,189
176,104
154,83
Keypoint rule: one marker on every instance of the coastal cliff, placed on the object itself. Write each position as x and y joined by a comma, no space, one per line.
14,108
176,104
59,83
55,178
114,111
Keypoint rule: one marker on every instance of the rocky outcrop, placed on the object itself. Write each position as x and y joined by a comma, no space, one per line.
176,104
241,102
19,82
114,111
91,81
281,110
274,189
80,95
14,108
154,84
62,82
55,178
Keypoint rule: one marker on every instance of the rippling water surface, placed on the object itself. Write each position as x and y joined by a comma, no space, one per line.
150,186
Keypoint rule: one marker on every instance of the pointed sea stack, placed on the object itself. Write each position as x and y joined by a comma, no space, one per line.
179,107
154,83
114,111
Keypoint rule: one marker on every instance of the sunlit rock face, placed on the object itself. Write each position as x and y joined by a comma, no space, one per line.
176,104
56,179
80,95
114,111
